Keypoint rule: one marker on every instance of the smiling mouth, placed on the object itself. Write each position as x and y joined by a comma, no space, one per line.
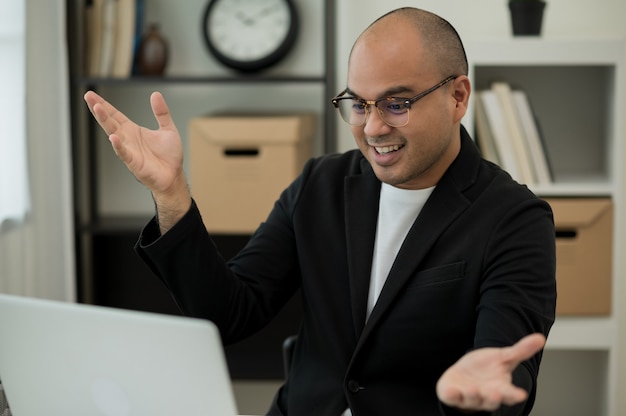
383,150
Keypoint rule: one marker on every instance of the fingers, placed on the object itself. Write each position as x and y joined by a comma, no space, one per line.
109,118
91,98
481,397
491,398
112,120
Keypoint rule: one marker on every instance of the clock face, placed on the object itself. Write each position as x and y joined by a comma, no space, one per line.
250,34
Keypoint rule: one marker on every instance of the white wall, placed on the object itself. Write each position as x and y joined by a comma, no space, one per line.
478,19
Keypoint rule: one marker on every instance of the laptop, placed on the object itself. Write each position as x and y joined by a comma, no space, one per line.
60,358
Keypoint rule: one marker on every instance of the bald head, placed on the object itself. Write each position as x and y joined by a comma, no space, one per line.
439,40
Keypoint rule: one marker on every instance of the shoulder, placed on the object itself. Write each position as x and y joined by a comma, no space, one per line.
323,177
479,179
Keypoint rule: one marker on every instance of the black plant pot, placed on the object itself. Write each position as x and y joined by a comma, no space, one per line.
526,17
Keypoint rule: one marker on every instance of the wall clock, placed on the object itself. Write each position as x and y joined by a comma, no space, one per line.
250,35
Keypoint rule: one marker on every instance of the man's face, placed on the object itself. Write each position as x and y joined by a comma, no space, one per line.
391,61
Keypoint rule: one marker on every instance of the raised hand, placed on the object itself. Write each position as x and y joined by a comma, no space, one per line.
155,157
482,379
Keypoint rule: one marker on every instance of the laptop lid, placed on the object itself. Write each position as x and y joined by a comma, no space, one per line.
59,358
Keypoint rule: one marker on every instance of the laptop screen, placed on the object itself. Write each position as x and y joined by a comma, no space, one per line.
65,358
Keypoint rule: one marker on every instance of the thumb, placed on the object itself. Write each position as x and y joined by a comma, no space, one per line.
525,348
161,111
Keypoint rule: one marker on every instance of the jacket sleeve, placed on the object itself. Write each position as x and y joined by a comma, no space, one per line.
240,296
518,291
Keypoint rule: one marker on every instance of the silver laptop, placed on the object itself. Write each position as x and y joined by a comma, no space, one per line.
60,358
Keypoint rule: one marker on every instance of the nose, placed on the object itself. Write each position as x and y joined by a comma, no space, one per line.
375,125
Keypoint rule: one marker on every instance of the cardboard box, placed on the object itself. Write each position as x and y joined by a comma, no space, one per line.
584,255
239,165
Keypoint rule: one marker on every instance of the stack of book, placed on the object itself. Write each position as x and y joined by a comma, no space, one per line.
508,134
112,32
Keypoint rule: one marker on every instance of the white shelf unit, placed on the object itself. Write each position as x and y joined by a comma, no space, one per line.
576,87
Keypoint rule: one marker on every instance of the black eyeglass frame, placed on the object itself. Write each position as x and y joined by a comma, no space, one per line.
407,102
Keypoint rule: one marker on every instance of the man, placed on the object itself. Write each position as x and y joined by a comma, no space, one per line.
427,273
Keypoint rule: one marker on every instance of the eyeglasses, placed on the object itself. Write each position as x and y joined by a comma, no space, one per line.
392,110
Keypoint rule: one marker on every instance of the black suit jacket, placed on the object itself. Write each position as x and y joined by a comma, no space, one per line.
477,269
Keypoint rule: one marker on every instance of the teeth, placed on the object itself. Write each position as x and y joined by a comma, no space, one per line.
387,149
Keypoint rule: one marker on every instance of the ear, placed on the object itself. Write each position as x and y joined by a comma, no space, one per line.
461,89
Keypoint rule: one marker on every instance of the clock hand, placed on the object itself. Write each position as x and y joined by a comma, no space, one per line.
246,20
262,13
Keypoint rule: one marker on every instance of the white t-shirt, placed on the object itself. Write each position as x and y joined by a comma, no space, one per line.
398,209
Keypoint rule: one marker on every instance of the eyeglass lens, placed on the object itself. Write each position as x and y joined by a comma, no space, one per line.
393,112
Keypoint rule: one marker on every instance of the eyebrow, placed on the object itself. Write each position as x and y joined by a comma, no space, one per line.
391,92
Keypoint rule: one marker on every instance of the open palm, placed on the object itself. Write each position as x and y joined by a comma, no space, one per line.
155,157
482,379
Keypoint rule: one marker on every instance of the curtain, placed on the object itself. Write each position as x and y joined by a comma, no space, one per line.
37,251
13,176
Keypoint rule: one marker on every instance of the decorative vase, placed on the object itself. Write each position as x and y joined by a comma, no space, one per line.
153,52
526,17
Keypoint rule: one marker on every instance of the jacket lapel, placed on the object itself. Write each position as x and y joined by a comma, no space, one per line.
361,212
440,210
444,206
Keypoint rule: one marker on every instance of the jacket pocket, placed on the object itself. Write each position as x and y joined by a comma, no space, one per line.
438,275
